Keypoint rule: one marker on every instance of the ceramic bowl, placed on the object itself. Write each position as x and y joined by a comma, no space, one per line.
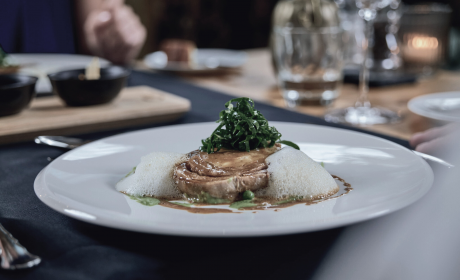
75,90
16,92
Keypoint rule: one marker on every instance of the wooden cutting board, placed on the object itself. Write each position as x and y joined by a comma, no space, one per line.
133,107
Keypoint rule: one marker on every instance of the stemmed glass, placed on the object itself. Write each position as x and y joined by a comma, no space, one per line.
363,113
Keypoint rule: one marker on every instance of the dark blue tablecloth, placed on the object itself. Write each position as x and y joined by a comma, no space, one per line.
72,249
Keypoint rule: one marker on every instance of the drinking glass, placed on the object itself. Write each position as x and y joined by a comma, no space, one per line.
308,63
363,113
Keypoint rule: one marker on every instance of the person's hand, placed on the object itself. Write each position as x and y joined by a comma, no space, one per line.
438,141
114,32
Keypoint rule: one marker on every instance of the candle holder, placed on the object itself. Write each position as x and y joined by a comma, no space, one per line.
424,33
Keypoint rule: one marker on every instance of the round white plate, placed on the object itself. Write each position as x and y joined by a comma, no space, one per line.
40,65
443,106
385,177
206,60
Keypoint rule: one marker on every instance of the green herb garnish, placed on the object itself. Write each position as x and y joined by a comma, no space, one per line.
5,59
289,143
145,200
248,195
242,128
131,172
3,56
242,204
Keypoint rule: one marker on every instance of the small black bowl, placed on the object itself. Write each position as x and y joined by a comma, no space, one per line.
16,92
77,91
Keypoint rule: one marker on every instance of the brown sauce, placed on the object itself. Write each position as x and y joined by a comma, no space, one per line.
272,203
262,203
195,210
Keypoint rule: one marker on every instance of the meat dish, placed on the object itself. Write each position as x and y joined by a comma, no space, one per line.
224,171
226,174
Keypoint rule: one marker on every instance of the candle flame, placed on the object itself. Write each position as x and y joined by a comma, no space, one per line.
422,42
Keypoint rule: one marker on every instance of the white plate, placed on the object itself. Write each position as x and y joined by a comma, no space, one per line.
384,175
206,60
40,65
443,106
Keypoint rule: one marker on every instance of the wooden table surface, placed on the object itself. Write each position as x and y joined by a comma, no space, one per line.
256,80
139,105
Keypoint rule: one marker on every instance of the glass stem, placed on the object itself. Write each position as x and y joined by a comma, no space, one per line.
363,100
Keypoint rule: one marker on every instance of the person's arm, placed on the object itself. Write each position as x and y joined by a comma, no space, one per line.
82,10
435,140
109,29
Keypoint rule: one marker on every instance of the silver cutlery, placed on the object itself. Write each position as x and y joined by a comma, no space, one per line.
60,141
434,159
14,255
71,143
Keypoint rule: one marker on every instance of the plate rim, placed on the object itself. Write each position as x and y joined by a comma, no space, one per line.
414,108
197,70
43,194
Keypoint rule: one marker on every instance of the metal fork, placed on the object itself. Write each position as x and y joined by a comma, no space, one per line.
14,255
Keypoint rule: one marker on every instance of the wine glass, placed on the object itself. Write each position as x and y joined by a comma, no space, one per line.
363,113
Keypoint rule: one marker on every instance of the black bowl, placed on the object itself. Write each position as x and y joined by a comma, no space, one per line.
16,92
76,91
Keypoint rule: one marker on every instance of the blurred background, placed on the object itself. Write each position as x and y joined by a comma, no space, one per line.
247,24
209,23
244,24
257,55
